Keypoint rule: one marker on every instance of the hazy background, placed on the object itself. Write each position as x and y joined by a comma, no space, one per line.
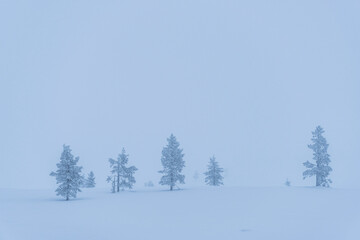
245,80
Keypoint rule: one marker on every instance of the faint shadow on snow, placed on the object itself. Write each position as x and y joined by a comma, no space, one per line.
159,190
54,199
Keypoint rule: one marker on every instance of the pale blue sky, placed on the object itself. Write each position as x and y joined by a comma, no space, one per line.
245,80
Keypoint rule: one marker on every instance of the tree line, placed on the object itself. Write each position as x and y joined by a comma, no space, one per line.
70,178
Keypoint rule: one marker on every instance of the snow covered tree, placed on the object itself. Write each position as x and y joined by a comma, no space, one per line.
287,183
149,184
112,180
213,175
320,168
68,174
124,175
173,163
90,181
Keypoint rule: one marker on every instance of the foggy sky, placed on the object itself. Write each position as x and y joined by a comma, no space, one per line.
246,81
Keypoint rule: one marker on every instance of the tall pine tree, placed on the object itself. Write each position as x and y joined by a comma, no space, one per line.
213,175
68,174
173,163
124,176
320,168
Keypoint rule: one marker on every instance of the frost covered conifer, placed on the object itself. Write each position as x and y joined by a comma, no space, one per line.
124,176
68,174
320,168
112,180
90,181
287,183
173,163
149,184
213,175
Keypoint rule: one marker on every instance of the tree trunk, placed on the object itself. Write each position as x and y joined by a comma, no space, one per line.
172,182
317,180
118,182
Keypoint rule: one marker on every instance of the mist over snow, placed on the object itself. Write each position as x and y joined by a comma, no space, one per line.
246,81
197,213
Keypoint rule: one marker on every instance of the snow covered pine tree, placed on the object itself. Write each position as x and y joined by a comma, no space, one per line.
68,174
173,163
213,175
124,176
90,181
321,168
112,180
287,183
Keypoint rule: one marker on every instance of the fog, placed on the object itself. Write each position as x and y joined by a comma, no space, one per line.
246,81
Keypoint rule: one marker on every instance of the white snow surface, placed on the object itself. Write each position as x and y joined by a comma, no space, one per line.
194,213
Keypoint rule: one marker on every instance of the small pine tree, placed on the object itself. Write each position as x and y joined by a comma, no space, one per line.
213,175
287,183
124,175
90,181
173,163
320,168
112,180
68,174
149,184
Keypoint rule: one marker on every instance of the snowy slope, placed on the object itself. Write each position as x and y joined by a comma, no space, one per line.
198,213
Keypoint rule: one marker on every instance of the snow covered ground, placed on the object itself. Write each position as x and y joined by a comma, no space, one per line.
196,213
